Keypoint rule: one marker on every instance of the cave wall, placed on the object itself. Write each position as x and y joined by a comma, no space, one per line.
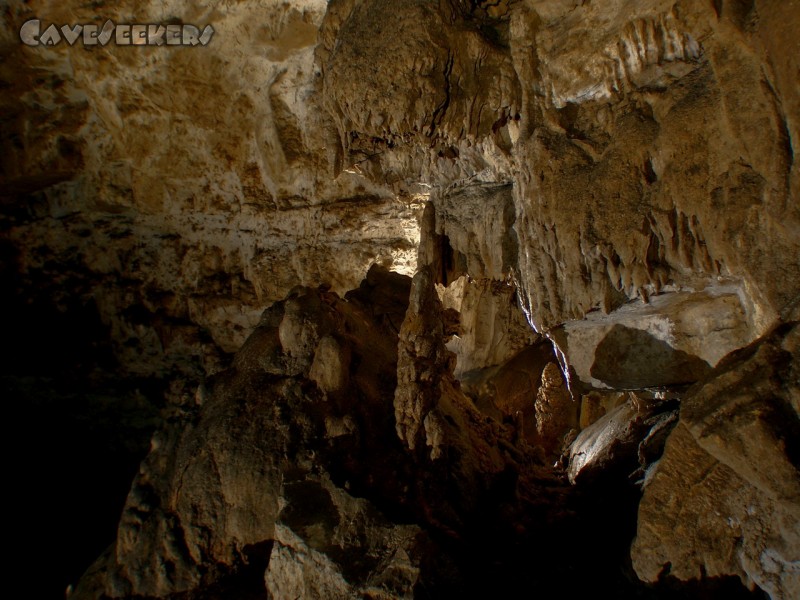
648,148
597,201
650,144
182,190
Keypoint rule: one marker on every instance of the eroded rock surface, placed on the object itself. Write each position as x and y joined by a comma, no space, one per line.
234,482
627,128
274,478
725,497
608,186
625,440
180,190
623,148
672,340
556,413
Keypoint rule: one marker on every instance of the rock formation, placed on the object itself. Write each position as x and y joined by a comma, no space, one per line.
555,412
416,298
725,497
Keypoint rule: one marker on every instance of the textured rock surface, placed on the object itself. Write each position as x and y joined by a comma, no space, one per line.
645,163
269,480
628,129
725,497
627,438
556,413
184,188
651,148
234,484
609,186
674,339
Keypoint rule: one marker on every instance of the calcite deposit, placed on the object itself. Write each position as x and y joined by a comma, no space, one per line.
418,298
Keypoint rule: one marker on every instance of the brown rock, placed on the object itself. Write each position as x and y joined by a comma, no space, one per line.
622,443
331,365
591,409
423,363
619,176
556,412
232,482
673,339
725,497
184,190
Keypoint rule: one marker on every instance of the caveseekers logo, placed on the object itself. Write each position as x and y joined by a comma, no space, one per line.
31,34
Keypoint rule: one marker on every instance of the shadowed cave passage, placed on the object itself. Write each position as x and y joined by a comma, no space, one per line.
75,432
425,299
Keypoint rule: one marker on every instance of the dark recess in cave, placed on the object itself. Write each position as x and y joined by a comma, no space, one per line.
74,433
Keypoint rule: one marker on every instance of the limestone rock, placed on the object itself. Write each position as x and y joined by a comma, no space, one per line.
426,111
185,188
508,392
472,260
620,158
725,497
344,548
633,146
282,475
422,363
556,413
474,228
236,474
615,177
592,408
634,159
330,367
672,340
491,326
625,440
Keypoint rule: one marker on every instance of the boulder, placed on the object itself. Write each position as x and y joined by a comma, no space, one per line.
724,500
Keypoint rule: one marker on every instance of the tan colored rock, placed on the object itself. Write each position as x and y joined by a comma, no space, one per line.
423,363
467,240
556,413
492,328
598,445
635,159
186,188
644,163
508,392
301,563
475,228
624,134
233,479
268,480
401,84
331,365
617,174
673,339
624,442
725,497
591,409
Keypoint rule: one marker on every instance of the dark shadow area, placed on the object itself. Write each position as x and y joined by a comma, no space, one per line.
578,552
74,433
630,358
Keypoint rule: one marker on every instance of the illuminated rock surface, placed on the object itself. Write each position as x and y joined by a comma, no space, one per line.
412,296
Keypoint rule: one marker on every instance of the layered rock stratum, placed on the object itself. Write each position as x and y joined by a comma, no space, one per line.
417,298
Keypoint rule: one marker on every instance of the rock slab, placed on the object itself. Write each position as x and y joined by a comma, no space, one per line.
725,497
